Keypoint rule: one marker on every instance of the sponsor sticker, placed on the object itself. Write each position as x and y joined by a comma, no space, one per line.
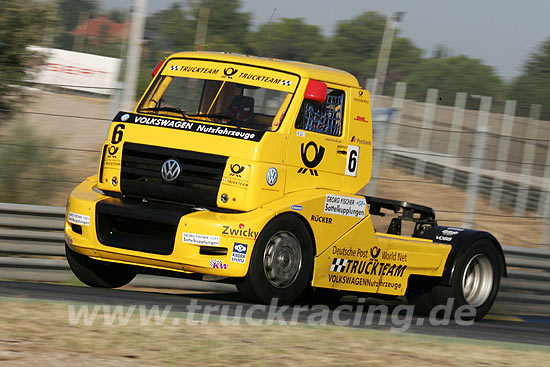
271,176
357,140
345,205
239,253
81,219
296,207
321,219
193,127
238,175
300,133
242,232
352,161
201,239
237,169
367,267
218,264
447,232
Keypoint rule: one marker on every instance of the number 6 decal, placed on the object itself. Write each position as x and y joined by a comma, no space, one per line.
117,134
353,161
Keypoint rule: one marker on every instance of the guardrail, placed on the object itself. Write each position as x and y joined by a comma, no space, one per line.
32,248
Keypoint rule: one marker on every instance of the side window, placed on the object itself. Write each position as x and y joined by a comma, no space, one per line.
325,118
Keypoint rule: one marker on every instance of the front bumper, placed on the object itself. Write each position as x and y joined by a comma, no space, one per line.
162,236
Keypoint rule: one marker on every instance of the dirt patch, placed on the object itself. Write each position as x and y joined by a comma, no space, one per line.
38,333
449,202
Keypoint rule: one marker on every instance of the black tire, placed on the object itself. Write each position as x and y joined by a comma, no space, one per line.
281,264
97,273
475,282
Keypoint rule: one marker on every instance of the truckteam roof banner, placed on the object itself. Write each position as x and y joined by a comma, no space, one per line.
256,76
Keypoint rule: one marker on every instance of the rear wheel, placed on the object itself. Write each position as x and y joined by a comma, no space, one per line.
475,282
97,273
281,264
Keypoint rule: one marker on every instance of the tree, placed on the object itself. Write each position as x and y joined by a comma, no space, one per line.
355,47
117,15
289,39
533,85
404,58
171,29
452,75
22,23
69,14
227,25
167,31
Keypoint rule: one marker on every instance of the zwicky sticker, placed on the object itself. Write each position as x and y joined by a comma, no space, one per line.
242,232
200,239
81,219
239,253
345,205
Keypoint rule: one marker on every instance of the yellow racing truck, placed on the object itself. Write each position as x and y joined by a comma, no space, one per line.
247,169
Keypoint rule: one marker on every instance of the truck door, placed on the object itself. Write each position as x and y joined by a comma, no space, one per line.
317,149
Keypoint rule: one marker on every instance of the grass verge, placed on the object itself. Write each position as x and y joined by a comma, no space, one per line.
39,332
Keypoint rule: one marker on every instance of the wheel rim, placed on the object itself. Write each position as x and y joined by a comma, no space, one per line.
282,259
477,281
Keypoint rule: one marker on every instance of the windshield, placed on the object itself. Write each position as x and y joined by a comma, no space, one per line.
217,101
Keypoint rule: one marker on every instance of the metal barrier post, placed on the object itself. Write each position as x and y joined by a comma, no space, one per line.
528,160
454,135
426,131
502,151
482,128
544,210
392,135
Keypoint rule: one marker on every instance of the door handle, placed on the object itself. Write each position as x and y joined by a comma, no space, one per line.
342,149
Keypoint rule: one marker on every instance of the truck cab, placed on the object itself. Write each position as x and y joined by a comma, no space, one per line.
248,168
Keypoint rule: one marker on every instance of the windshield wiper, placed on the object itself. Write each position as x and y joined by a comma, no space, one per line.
167,109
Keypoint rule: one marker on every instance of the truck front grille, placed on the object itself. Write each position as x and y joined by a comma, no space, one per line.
133,225
197,183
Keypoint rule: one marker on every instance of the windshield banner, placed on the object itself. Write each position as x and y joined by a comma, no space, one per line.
250,75
187,125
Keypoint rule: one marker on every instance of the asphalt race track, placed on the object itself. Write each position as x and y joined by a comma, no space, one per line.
505,328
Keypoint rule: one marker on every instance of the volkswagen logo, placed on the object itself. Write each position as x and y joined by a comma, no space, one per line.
170,170
271,176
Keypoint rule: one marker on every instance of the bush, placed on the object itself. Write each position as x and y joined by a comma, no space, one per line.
30,171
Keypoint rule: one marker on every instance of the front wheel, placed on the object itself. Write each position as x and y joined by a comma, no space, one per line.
475,282
281,264
97,273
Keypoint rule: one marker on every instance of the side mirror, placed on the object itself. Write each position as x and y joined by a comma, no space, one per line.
316,91
157,68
